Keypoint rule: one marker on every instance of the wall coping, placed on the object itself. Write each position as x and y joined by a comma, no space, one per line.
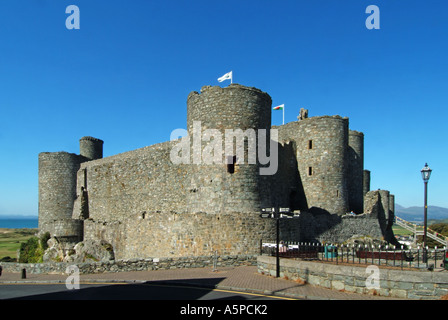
419,284
359,271
150,263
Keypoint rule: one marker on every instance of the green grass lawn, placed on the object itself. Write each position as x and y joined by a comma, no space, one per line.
10,240
400,231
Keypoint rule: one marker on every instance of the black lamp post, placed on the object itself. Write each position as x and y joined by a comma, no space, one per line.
426,173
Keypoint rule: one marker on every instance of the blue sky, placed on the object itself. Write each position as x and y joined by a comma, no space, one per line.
124,77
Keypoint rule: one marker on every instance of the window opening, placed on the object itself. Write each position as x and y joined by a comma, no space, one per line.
231,160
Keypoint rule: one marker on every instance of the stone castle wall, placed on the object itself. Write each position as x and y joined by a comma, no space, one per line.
400,284
129,184
233,107
176,234
355,171
138,203
321,155
381,205
153,263
57,190
365,182
91,148
145,205
227,111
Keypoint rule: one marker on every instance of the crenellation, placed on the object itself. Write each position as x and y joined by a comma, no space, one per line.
355,172
91,148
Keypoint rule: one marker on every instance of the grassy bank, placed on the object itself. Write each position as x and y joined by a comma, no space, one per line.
11,239
400,231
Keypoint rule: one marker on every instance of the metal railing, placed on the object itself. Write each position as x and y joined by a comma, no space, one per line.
418,230
357,254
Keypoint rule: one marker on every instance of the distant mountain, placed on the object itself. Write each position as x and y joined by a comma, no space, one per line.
416,214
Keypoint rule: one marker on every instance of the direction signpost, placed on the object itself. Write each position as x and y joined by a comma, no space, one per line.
277,214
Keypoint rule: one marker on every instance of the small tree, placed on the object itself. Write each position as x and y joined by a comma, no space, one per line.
33,250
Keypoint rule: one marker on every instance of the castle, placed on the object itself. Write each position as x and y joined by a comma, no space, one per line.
144,204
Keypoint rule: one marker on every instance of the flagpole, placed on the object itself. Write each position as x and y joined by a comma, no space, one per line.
282,106
283,114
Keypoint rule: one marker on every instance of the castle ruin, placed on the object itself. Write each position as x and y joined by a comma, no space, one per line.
142,204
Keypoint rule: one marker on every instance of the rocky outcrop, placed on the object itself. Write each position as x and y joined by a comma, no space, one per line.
85,251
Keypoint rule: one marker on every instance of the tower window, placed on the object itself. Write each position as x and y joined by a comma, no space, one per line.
310,171
310,144
231,164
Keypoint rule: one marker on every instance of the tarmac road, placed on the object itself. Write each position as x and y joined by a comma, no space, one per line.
123,291
241,279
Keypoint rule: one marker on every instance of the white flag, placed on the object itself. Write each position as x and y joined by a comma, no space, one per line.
227,76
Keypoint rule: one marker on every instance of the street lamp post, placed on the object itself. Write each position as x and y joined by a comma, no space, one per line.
426,174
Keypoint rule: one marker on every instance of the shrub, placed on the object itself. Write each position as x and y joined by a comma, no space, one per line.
441,228
33,250
8,259
43,240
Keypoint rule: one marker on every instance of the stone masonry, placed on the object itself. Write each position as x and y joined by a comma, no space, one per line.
144,204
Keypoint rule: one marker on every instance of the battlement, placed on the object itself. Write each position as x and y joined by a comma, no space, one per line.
316,120
91,148
91,139
356,133
319,118
218,89
233,107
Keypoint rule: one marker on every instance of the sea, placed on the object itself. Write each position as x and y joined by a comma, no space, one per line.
18,223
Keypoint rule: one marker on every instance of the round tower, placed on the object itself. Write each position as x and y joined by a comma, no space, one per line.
366,182
322,163
233,107
227,179
355,171
57,192
392,206
91,148
385,205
